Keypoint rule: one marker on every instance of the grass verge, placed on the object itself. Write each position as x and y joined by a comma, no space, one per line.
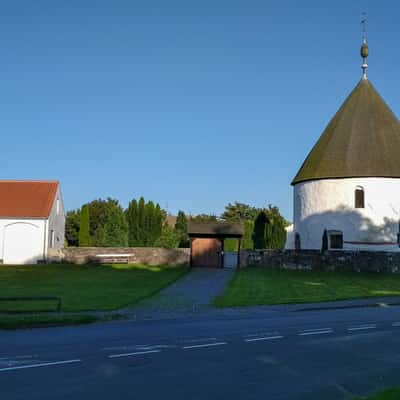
257,286
37,321
390,394
83,287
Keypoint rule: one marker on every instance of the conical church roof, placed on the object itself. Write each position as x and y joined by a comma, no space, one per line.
361,140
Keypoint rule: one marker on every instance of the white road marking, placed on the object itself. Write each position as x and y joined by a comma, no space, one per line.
195,346
136,353
257,339
361,328
45,364
264,333
17,358
198,340
138,347
315,332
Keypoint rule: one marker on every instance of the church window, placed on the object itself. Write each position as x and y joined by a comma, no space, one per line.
359,201
335,240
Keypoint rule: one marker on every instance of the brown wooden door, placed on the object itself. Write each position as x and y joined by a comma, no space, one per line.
206,252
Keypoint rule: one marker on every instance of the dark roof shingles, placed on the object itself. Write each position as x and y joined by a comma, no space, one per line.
361,140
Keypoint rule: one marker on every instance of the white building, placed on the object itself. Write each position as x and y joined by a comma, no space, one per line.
349,184
32,220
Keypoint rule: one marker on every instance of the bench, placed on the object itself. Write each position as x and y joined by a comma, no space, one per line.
112,258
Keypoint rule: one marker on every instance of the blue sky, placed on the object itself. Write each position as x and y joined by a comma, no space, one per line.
190,104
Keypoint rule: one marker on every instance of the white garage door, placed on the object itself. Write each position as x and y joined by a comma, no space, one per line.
22,243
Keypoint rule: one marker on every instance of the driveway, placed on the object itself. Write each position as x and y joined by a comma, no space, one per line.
190,294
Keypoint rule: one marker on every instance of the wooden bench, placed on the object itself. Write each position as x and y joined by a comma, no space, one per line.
113,258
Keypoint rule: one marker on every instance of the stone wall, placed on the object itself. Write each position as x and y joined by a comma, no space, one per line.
328,261
137,255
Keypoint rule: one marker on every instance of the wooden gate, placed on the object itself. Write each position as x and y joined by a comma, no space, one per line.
206,252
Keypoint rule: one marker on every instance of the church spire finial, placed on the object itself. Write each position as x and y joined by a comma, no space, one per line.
364,46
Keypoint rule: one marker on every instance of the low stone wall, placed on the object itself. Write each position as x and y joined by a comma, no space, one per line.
138,255
328,261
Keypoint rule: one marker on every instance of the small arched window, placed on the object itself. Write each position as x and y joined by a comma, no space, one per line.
359,201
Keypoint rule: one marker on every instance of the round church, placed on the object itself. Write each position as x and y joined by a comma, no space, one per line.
347,192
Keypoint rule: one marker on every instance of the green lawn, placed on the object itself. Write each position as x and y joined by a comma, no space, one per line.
87,287
253,286
390,394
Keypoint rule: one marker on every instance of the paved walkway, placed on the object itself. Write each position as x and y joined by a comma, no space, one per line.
191,294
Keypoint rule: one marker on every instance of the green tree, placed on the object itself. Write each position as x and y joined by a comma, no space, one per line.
181,229
239,212
203,218
132,220
99,211
141,219
72,226
116,227
149,234
169,238
160,217
247,240
145,222
231,244
84,237
275,232
259,231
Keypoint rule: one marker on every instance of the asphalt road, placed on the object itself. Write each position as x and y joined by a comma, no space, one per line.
333,354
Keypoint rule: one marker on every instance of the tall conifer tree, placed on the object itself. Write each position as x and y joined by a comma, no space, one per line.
84,238
133,227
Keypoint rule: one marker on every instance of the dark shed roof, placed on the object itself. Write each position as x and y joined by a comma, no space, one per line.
215,229
361,140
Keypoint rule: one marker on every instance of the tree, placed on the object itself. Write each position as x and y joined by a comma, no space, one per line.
99,212
72,226
275,232
84,237
247,240
260,223
116,227
132,220
160,217
145,222
231,244
149,234
239,212
203,218
181,229
141,227
169,238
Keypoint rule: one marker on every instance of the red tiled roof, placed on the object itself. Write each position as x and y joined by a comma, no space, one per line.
27,198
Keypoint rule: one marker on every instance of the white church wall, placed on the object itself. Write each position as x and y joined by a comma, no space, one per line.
330,204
